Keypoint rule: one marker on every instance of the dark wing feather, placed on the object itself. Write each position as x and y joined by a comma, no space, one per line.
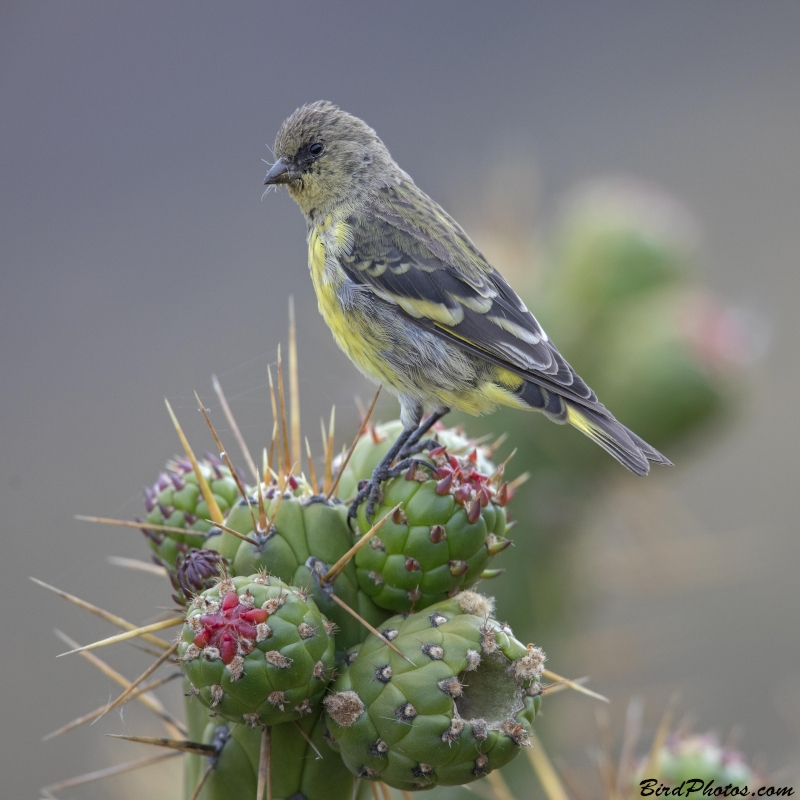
411,253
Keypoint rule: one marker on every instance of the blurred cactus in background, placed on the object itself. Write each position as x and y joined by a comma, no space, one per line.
619,291
677,759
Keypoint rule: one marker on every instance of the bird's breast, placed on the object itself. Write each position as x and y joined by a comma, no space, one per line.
344,307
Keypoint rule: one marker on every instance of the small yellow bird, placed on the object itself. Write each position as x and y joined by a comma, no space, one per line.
414,304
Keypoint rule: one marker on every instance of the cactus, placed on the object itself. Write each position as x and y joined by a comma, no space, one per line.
304,535
442,694
448,526
175,500
235,772
443,697
273,587
257,650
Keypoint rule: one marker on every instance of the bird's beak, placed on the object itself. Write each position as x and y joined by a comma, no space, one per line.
280,172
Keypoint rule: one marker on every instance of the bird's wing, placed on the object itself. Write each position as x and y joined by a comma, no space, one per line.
408,251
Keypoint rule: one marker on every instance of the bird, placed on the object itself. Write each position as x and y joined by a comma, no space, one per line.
414,304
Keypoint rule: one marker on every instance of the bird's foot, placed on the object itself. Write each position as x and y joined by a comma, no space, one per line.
415,443
413,448
371,491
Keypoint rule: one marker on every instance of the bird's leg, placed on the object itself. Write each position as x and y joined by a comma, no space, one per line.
415,443
408,444
370,491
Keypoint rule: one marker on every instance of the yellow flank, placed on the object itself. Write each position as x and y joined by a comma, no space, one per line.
484,398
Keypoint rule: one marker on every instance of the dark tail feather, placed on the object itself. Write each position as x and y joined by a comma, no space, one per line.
629,449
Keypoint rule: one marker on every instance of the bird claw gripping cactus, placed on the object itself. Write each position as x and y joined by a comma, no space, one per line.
257,650
458,703
449,524
374,444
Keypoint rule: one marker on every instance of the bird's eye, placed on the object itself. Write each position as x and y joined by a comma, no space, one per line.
315,149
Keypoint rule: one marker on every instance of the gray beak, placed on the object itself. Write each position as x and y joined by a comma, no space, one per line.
280,172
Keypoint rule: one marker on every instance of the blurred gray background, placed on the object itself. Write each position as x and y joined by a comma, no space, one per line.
137,259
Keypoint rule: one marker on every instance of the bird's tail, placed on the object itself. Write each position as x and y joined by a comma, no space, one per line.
629,449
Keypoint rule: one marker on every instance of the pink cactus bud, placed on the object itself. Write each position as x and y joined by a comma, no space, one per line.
255,616
227,647
230,601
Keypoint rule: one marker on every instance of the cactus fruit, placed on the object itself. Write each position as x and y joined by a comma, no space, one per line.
175,500
448,527
308,535
257,650
375,442
463,708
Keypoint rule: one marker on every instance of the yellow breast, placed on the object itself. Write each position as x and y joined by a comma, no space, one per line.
358,334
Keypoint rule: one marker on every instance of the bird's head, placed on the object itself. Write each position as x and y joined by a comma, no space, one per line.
327,157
